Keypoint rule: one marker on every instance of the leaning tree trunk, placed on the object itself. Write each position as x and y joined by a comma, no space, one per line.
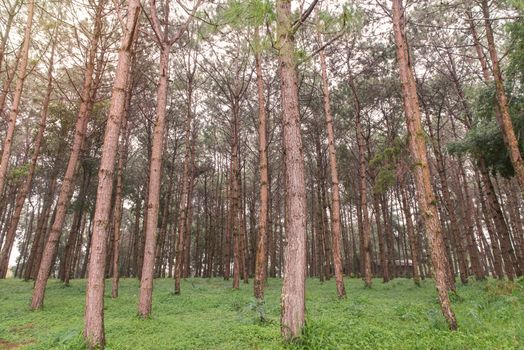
503,116
21,72
26,187
66,191
293,289
12,12
94,309
10,75
417,145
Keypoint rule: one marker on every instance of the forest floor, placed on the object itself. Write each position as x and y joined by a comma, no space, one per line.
210,315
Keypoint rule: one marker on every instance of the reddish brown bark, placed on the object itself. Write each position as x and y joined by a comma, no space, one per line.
119,198
293,289
335,192
261,256
185,183
66,191
153,199
365,234
503,117
417,145
21,73
94,309
26,187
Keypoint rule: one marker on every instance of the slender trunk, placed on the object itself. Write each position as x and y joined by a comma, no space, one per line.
235,205
503,117
12,11
21,73
153,200
66,191
501,227
365,234
335,191
381,240
261,257
10,75
410,229
26,187
94,309
119,198
183,204
417,145
483,190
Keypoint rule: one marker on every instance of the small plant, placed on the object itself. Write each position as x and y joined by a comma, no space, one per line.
258,306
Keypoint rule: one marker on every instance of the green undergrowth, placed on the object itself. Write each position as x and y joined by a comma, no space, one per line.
209,314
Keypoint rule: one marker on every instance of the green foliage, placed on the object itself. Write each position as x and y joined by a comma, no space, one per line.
485,138
20,172
349,19
385,162
210,315
251,13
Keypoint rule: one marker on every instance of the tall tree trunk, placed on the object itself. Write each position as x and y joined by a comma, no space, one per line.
153,201
94,309
26,187
261,257
10,75
11,13
119,197
365,234
503,116
235,197
335,192
293,289
21,73
417,145
184,198
66,191
455,230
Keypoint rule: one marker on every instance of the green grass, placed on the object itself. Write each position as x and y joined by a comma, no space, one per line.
210,315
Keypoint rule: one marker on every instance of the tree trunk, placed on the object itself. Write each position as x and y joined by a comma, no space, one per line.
155,177
66,191
381,240
21,73
410,229
335,192
94,309
293,289
184,198
26,187
503,116
119,198
11,13
365,234
261,257
417,145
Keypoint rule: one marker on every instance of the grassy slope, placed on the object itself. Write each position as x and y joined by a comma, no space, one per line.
210,315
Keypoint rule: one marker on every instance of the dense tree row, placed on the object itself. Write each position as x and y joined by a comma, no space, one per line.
252,139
